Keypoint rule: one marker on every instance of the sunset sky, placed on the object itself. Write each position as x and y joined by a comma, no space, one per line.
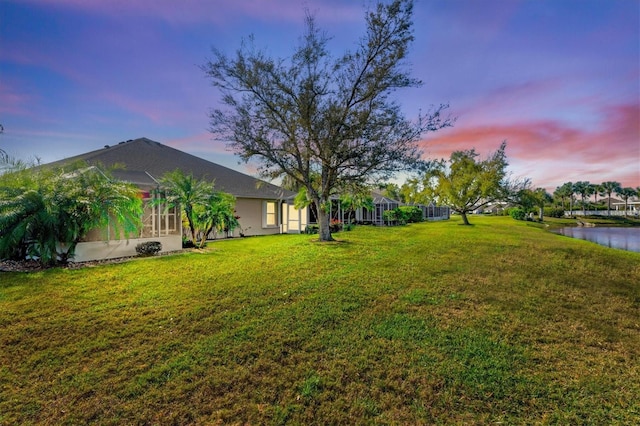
559,80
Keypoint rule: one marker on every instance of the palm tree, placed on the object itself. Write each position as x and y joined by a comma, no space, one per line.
541,197
45,213
609,188
91,199
566,190
352,201
596,190
584,189
187,192
218,214
23,214
625,194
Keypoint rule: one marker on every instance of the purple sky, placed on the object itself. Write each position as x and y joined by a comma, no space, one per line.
558,79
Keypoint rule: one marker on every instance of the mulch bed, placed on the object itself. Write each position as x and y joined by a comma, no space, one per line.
24,266
33,266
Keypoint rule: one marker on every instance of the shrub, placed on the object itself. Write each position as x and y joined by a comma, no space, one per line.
403,215
389,216
553,212
335,225
518,214
149,248
312,229
411,214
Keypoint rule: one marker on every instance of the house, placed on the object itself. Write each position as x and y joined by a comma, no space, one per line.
632,206
263,208
494,207
375,215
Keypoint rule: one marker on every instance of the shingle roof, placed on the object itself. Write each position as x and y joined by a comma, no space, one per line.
145,160
379,198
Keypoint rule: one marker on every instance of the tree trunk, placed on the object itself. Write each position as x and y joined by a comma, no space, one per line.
188,214
541,213
324,234
570,206
464,218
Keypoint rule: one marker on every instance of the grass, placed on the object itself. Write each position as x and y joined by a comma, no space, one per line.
431,323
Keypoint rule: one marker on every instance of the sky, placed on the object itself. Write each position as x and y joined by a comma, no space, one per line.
559,80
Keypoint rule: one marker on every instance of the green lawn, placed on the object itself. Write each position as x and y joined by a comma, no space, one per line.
432,323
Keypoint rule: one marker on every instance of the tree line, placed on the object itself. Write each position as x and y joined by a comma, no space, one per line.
568,192
468,192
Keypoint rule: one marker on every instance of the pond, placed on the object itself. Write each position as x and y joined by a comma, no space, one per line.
619,238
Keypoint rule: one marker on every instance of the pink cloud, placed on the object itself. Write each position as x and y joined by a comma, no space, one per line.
14,102
552,152
148,109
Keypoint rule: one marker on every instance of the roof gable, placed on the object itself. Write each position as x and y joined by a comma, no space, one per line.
145,156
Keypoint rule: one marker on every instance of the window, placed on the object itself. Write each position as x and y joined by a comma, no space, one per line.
270,214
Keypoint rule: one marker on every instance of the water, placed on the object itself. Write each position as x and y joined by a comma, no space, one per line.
619,238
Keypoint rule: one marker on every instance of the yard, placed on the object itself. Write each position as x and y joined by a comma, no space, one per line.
422,324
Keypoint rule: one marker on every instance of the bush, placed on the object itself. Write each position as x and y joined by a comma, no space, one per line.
149,248
187,243
403,215
518,214
411,214
336,225
553,212
312,229
390,215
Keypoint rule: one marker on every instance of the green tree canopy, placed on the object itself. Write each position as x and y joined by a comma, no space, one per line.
608,188
186,191
625,194
585,190
564,192
465,183
530,198
314,115
45,213
203,208
217,214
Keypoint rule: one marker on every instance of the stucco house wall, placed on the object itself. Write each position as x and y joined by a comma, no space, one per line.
253,217
159,223
144,162
111,249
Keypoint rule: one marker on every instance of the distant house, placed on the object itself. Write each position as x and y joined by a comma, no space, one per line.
602,208
376,216
263,208
495,207
632,205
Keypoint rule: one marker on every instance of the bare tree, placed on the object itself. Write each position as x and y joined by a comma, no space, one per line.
314,115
